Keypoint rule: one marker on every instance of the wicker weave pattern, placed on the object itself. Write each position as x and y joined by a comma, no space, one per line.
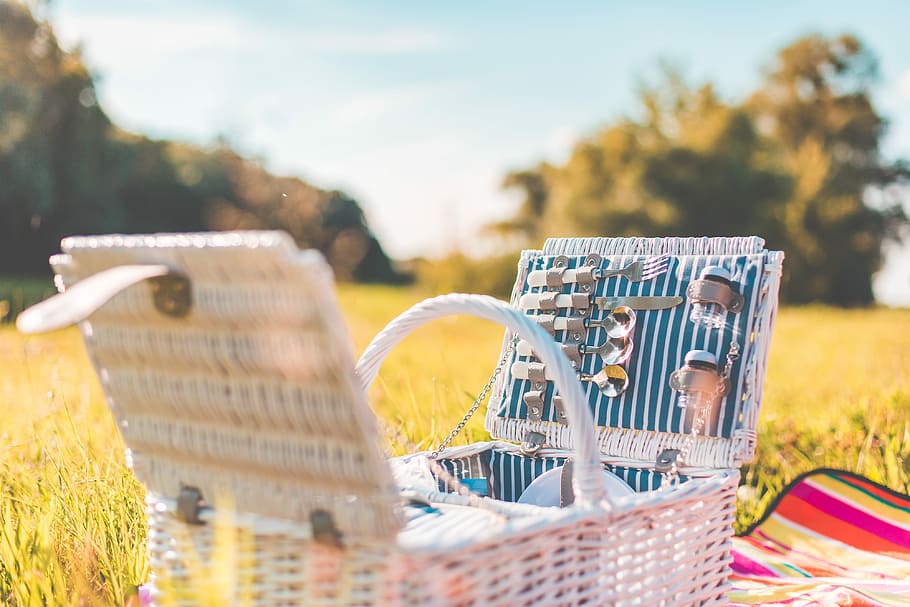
252,395
252,398
664,548
270,563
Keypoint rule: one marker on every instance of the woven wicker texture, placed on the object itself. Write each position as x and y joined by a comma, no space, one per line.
252,395
645,419
668,547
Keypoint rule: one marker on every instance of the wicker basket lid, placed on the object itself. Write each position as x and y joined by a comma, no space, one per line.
646,418
248,395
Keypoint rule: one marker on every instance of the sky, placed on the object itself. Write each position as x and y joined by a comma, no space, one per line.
418,109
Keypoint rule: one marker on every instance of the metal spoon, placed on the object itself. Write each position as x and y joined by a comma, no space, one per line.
618,323
612,380
613,351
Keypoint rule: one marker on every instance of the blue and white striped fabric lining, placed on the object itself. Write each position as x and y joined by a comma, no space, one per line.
474,466
662,339
509,473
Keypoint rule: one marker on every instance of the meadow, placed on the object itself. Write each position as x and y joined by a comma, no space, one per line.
71,514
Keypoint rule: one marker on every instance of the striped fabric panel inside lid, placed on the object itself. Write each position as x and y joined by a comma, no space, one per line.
661,340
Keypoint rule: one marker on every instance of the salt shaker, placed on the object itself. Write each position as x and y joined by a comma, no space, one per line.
712,296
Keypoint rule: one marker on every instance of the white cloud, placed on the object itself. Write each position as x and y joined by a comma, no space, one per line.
396,42
122,40
374,104
125,44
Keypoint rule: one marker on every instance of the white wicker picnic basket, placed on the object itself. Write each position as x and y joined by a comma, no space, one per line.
227,365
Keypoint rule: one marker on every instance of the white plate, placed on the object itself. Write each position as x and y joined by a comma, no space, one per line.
544,491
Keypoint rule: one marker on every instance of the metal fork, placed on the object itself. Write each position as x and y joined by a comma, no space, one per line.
638,271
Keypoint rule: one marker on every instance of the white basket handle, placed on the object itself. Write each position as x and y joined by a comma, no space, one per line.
82,299
588,473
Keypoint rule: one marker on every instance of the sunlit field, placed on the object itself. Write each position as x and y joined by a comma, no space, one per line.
71,516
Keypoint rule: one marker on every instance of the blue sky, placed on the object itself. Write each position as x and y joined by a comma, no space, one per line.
418,109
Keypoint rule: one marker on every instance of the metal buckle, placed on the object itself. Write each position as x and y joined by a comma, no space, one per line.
555,280
324,530
547,301
711,291
666,459
575,324
537,373
586,274
554,274
189,505
532,443
573,354
581,302
560,408
546,322
534,403
585,277
172,294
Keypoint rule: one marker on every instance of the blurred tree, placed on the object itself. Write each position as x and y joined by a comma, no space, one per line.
53,143
533,184
791,164
330,221
65,169
816,109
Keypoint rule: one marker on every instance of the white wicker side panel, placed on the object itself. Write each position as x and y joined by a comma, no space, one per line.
671,548
251,397
745,437
252,560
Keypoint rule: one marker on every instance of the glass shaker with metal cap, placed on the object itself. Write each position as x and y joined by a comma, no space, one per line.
713,295
700,385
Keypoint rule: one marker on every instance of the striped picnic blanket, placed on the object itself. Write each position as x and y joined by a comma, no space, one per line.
831,538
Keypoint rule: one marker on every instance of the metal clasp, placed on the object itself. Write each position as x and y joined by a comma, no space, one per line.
534,403
573,353
666,460
587,274
172,294
324,530
532,443
554,277
560,408
189,504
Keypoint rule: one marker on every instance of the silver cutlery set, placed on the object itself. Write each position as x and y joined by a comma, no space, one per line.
712,296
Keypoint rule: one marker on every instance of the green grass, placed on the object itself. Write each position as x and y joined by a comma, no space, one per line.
16,294
71,515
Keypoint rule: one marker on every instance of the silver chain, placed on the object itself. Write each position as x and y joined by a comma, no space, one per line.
477,401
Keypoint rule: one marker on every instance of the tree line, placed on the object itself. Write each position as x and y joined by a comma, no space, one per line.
798,162
65,168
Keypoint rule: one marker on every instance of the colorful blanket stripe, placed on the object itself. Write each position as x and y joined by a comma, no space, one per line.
832,538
